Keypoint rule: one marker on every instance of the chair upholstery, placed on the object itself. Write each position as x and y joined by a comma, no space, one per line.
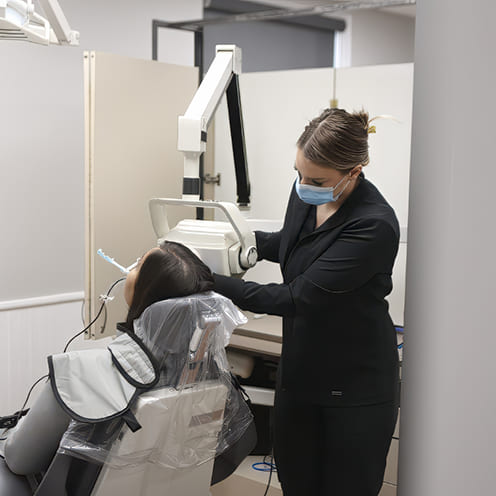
12,484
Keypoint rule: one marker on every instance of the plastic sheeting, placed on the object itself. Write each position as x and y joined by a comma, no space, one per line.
196,410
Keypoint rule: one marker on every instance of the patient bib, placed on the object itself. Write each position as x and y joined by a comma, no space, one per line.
101,384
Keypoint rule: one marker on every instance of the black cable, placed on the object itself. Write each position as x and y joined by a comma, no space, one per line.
12,420
104,325
97,315
270,473
30,391
271,439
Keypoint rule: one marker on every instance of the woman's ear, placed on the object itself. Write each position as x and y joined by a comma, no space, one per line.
356,171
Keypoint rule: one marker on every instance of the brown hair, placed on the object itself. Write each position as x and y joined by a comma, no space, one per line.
337,139
170,272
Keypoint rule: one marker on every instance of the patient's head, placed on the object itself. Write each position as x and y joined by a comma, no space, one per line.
166,272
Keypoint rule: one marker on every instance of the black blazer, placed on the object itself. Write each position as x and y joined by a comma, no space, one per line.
339,343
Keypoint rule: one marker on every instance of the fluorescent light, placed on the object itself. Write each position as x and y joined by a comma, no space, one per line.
19,21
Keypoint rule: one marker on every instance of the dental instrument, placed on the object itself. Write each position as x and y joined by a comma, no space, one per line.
124,270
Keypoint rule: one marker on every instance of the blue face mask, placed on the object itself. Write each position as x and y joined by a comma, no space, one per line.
318,195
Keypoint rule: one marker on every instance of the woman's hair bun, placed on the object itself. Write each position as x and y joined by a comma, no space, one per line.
337,139
363,117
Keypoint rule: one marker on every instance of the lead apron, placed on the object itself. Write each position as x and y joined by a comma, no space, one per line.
103,384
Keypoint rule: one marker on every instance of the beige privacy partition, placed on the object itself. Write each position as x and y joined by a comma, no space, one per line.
131,111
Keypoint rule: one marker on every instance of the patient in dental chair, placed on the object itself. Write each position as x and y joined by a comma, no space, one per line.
150,355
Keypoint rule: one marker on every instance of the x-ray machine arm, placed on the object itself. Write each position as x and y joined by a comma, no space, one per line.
221,78
228,248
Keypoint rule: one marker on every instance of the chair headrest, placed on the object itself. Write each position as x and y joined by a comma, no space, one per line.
166,327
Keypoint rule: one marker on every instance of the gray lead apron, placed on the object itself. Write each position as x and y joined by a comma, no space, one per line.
102,384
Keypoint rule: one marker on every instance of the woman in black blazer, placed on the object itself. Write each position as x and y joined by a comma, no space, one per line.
337,385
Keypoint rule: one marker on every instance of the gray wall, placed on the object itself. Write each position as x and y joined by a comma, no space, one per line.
42,137
374,37
448,430
269,46
381,38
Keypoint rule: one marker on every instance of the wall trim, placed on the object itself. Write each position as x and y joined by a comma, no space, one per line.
39,301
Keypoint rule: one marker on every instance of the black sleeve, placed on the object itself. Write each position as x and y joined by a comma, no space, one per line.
364,249
268,245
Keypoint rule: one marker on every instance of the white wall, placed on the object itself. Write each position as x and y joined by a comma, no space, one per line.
28,335
124,27
278,104
41,186
42,175
448,429
374,37
386,89
41,168
381,38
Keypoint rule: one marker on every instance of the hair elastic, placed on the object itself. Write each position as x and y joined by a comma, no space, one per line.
372,129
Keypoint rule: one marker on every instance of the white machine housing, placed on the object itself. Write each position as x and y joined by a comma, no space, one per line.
228,248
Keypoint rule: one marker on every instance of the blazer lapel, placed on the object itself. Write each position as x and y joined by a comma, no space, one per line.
295,217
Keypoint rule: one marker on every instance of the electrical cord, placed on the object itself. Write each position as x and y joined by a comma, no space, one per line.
265,466
272,469
104,325
10,421
102,306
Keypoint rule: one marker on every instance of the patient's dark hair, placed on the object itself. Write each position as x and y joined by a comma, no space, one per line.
170,272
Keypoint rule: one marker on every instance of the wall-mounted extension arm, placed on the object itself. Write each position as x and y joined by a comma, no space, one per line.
222,77
238,142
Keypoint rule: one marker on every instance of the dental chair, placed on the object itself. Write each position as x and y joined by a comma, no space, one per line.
173,452
73,477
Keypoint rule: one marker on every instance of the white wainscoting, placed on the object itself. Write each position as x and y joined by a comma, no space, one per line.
30,330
